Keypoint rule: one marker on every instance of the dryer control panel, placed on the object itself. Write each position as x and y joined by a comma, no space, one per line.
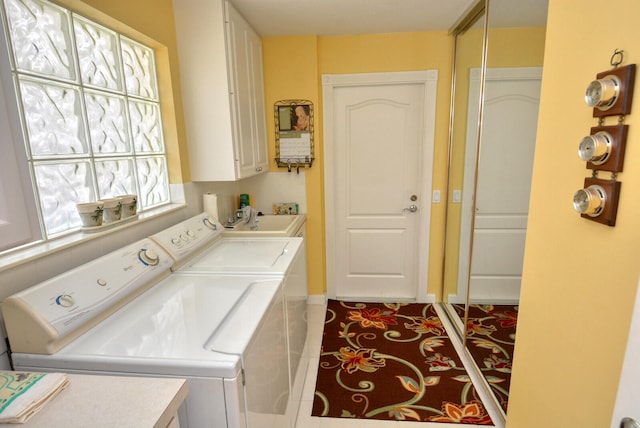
47,316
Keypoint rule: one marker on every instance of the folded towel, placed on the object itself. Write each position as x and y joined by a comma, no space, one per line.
22,394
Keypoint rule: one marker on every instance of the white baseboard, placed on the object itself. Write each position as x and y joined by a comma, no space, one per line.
317,299
431,298
321,299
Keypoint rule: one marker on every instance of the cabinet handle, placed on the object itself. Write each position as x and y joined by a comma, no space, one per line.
259,169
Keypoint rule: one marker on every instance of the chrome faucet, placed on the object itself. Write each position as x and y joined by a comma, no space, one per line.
238,216
246,215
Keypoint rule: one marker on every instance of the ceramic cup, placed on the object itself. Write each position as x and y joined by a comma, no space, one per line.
112,210
90,213
129,205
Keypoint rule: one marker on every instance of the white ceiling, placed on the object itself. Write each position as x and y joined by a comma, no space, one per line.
343,17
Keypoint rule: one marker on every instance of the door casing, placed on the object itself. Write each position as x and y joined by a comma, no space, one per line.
428,80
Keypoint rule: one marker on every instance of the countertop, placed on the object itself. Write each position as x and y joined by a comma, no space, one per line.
111,401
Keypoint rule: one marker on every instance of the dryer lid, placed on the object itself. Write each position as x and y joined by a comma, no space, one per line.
247,255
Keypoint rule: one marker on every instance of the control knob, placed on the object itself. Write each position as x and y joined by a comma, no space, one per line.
210,224
65,301
148,257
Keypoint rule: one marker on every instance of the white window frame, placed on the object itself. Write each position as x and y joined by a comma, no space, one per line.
18,215
20,221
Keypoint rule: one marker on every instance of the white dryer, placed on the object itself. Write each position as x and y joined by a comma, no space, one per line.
282,257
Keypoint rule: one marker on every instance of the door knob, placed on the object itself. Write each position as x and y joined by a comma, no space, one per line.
412,208
629,423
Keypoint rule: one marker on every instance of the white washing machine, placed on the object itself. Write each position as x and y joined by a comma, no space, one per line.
126,314
282,257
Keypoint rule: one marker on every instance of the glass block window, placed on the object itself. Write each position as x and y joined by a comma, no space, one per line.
90,111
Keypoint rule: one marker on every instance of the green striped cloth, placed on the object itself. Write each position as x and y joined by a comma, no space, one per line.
22,394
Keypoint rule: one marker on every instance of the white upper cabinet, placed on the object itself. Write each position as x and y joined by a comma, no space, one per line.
222,89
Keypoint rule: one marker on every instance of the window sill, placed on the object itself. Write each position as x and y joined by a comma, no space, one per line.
31,252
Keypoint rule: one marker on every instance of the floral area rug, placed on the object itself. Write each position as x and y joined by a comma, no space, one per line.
491,335
392,362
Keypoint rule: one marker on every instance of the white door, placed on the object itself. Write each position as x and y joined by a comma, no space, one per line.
509,125
379,131
629,386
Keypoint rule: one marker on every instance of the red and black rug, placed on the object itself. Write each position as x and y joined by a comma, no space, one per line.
392,362
491,336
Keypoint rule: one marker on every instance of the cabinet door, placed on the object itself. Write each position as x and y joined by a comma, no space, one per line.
261,154
203,49
247,96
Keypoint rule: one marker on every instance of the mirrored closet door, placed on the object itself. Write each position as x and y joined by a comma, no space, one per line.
498,70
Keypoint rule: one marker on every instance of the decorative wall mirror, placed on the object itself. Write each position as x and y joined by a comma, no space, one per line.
294,133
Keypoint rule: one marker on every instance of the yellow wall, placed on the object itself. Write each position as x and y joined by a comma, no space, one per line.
293,69
291,72
516,47
580,277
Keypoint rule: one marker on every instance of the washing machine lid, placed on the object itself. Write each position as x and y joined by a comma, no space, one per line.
259,256
167,329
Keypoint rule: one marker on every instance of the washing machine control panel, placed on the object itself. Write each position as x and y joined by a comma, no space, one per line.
65,303
187,237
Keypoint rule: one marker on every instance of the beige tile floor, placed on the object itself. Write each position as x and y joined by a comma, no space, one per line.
316,314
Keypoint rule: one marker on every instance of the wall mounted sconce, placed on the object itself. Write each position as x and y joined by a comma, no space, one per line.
604,148
598,200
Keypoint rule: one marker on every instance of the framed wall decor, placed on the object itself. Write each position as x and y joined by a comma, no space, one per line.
294,133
